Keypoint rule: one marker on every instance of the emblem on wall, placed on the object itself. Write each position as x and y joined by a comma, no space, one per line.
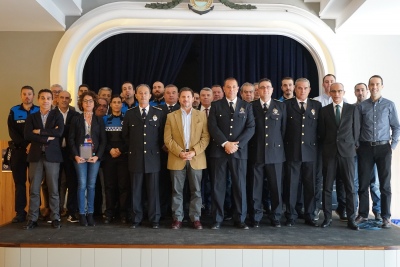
201,6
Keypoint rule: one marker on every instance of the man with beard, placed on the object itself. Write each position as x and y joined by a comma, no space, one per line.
158,94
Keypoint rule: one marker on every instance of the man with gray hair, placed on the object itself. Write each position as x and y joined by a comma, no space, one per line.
105,92
247,92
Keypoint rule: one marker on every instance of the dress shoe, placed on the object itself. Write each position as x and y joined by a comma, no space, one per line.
197,225
342,215
90,220
134,225
83,220
352,225
19,218
56,224
107,219
378,216
216,226
155,225
30,225
72,219
326,223
290,222
255,224
241,225
176,225
275,223
311,223
386,223
361,219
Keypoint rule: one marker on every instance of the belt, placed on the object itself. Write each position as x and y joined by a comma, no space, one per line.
377,143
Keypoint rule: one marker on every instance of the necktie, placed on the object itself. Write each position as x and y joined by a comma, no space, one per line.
170,108
302,108
265,108
231,108
337,115
206,110
144,114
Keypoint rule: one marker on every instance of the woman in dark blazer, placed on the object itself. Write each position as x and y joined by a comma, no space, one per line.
87,141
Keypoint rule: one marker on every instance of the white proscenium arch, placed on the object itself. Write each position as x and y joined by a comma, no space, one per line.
124,17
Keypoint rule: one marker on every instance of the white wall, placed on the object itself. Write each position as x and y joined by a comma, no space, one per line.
164,257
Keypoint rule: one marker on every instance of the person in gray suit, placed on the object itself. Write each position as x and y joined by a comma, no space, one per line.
339,131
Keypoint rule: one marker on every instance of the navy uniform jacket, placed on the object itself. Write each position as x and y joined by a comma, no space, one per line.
342,139
16,124
144,139
222,128
301,138
266,146
54,127
77,135
165,109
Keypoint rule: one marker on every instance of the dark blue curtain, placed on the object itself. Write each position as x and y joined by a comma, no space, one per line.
248,58
139,58
198,60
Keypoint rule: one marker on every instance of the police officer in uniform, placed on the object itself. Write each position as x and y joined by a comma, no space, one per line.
20,148
143,131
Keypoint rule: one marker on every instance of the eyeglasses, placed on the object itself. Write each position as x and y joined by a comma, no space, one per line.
89,101
56,92
337,91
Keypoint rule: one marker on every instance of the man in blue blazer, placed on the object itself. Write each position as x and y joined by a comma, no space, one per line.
339,130
231,126
43,129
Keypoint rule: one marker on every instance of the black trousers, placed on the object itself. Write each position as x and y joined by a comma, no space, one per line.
271,174
218,172
153,196
305,170
380,155
338,168
117,185
19,166
72,182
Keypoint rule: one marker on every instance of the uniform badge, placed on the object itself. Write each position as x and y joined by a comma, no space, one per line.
242,110
275,111
313,111
155,118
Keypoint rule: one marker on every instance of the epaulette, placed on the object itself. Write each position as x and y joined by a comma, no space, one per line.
314,99
156,108
133,107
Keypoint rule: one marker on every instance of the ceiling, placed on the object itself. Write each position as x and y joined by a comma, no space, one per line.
377,17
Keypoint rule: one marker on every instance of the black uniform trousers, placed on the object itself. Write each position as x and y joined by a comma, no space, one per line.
305,170
271,174
153,196
335,168
380,155
237,168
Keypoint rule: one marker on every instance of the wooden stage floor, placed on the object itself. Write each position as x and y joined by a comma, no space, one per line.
300,236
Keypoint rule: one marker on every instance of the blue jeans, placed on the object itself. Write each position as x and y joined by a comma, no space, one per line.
373,188
87,175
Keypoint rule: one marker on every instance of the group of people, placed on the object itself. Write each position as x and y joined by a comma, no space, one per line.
235,157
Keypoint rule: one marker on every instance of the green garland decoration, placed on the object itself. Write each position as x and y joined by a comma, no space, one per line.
236,6
168,5
174,3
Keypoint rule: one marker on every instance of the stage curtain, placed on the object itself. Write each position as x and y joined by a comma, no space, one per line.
249,58
136,57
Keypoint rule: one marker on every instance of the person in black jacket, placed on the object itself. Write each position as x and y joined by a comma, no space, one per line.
87,142
43,129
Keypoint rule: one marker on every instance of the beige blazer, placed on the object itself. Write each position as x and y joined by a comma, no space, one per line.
175,141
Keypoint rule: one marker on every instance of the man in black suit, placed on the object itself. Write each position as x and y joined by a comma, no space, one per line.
143,131
301,151
231,126
268,154
63,108
338,130
43,129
